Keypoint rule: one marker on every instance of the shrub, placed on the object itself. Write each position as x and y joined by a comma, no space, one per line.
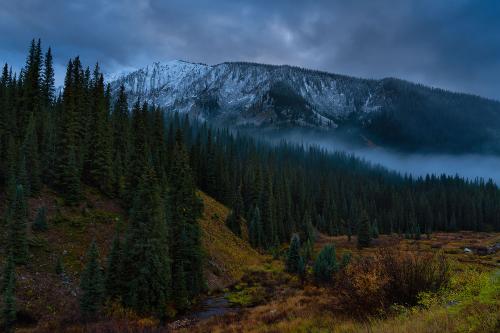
393,277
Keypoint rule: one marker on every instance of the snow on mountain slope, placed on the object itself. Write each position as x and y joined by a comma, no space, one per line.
251,94
388,112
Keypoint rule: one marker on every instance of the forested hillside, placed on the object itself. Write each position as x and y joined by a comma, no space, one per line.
151,163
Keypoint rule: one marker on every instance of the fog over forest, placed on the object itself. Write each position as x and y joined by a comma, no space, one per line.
470,166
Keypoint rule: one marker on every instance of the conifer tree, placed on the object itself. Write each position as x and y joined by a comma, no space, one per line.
293,255
40,223
9,312
255,229
185,208
268,216
374,230
146,256
121,141
68,171
91,285
301,269
325,264
99,164
31,157
114,280
364,237
234,219
346,259
47,85
8,270
17,224
140,154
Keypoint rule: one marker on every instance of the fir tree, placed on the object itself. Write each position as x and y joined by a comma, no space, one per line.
301,269
185,208
233,221
18,222
47,88
121,141
91,285
255,229
114,280
374,230
99,158
325,264
364,237
31,158
9,312
293,256
68,171
146,261
8,270
40,223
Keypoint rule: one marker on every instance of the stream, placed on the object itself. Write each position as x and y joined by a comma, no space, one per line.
209,307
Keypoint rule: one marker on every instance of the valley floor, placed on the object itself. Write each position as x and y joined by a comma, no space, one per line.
469,303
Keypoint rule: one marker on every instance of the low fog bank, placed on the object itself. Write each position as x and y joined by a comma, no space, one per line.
469,166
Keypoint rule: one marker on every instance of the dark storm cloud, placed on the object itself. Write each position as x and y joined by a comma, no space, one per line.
453,44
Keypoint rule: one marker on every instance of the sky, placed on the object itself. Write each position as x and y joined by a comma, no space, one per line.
452,44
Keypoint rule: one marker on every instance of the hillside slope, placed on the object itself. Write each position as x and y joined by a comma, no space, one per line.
46,298
228,256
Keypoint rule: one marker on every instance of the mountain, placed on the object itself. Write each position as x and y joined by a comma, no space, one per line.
389,112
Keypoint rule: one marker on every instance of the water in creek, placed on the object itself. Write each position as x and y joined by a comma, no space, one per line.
212,306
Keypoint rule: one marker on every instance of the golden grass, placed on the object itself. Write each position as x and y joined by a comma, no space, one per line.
228,256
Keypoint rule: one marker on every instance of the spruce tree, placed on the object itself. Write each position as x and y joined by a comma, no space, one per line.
364,236
233,221
9,312
268,215
325,264
374,230
99,157
91,285
293,255
114,280
8,270
18,224
255,229
31,158
346,259
47,85
68,170
146,261
121,141
40,223
185,208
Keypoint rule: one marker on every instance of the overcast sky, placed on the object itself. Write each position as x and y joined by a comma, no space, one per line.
452,44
